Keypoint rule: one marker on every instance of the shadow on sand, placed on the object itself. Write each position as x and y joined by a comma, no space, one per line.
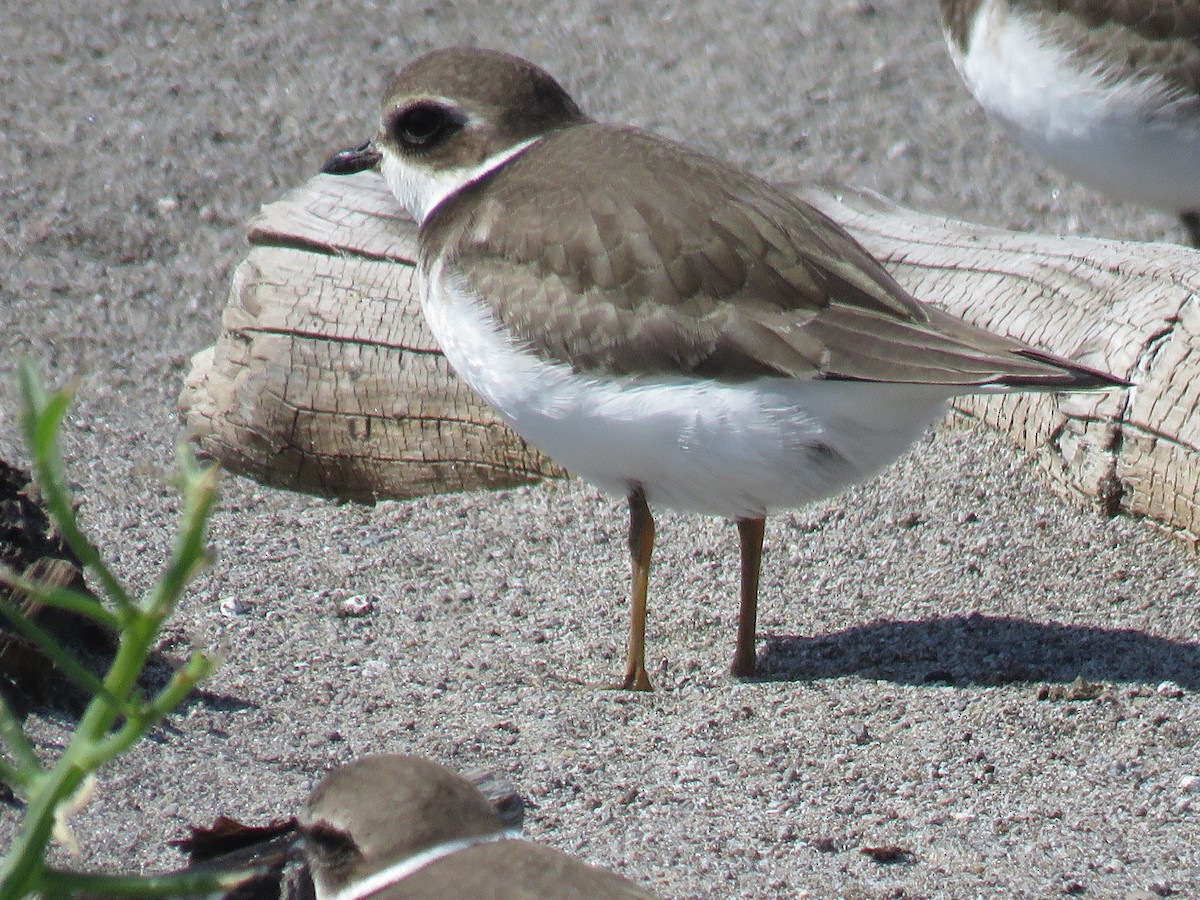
978,649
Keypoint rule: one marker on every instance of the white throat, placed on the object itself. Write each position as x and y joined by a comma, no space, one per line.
420,190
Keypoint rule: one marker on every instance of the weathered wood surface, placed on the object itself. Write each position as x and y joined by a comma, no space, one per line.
325,380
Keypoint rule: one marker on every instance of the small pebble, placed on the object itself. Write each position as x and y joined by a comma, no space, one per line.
355,606
233,606
1169,689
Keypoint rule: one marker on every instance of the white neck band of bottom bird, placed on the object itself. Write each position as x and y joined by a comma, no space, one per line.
397,872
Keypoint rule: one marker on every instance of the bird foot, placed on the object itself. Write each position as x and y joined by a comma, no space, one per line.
635,679
744,667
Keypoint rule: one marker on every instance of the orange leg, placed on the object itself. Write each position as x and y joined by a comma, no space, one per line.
641,546
744,658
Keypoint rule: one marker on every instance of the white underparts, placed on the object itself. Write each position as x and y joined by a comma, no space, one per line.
738,449
1133,138
420,189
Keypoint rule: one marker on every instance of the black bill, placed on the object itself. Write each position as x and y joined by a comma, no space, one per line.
350,162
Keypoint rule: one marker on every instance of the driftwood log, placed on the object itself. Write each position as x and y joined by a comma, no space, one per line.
325,380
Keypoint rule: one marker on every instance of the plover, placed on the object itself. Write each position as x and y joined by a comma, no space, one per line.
388,827
665,326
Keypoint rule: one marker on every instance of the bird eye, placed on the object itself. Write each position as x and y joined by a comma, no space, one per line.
420,125
331,844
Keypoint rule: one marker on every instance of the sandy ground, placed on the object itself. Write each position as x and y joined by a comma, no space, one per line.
918,635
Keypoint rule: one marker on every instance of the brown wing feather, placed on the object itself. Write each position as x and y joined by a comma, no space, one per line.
637,266
514,870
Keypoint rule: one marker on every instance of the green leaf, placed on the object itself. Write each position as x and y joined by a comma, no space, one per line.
97,739
29,767
42,417
60,884
60,597
57,654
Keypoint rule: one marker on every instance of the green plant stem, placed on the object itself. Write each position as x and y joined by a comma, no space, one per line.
87,751
70,884
24,862
55,652
11,775
23,870
59,597
18,745
42,418
180,685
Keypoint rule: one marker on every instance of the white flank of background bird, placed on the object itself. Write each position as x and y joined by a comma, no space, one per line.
1107,90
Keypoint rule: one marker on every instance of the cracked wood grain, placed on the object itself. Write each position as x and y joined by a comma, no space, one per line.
325,379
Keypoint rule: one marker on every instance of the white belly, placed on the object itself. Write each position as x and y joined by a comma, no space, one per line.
735,450
1132,140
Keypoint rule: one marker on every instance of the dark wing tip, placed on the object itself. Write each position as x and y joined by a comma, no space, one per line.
1071,377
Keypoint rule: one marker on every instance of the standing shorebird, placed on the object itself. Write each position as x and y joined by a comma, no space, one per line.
1107,90
665,326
